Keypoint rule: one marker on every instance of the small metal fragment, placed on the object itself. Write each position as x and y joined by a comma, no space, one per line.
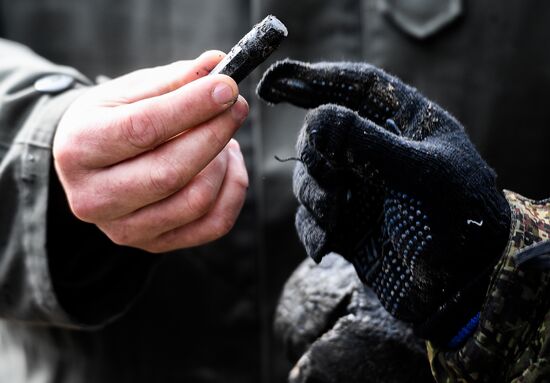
253,49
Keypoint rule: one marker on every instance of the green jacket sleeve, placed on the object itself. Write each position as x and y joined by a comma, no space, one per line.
511,342
53,270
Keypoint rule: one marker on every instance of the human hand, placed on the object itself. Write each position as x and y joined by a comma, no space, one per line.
335,330
148,157
390,181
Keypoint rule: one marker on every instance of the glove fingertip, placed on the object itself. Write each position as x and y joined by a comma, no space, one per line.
311,235
327,132
282,82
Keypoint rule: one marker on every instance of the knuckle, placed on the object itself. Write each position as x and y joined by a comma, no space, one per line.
84,207
166,177
125,232
165,242
142,130
200,199
69,152
222,224
241,180
213,136
119,236
155,247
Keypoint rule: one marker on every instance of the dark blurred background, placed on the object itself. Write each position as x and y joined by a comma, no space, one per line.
207,316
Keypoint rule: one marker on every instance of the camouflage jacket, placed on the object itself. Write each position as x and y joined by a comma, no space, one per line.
512,340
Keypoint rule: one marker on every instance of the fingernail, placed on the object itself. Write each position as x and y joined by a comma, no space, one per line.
223,94
239,111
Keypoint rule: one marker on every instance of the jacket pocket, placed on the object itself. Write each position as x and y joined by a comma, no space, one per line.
421,18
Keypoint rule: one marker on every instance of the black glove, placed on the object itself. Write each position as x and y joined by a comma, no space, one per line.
390,181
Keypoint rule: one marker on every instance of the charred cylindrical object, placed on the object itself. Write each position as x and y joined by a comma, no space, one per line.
253,49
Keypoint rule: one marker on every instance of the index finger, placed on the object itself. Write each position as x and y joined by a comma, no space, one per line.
151,82
361,87
130,130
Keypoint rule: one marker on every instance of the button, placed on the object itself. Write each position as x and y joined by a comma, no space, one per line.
54,83
421,18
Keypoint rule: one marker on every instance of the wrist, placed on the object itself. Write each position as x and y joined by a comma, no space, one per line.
529,233
515,305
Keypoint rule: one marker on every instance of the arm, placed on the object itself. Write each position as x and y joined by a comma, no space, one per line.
509,343
390,181
28,122
82,263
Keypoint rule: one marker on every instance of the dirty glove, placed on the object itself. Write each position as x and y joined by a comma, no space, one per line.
391,182
335,330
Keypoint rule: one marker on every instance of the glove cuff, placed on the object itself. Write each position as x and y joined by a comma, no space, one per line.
514,318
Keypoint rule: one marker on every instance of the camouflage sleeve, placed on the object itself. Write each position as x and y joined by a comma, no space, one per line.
512,340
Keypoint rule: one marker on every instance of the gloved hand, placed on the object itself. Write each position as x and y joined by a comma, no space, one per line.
390,181
335,330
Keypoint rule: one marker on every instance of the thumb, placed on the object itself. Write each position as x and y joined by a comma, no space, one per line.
151,82
338,140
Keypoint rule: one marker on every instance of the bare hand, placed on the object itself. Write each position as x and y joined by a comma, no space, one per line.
148,157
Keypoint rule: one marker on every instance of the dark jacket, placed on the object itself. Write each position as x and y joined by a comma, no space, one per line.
77,308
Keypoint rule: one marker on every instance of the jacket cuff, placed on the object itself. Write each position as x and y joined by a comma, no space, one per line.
95,280
86,281
503,346
26,291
